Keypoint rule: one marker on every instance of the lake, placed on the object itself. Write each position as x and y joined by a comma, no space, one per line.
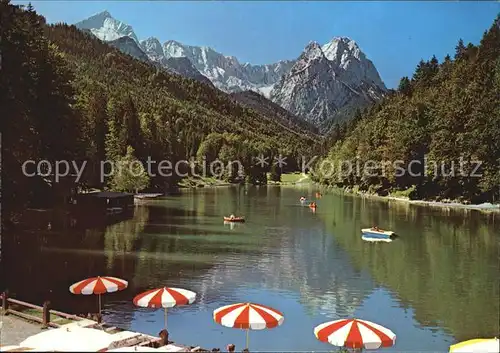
436,284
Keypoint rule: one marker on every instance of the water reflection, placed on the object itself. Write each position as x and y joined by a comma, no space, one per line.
445,264
438,279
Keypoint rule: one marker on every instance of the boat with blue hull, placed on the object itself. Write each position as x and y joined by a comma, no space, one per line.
376,234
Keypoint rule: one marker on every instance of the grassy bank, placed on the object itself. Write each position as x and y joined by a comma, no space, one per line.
291,179
404,196
200,182
286,179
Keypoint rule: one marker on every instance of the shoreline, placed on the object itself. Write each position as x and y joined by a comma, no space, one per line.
484,207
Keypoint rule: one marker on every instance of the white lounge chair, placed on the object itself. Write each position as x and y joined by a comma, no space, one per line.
126,339
80,323
172,348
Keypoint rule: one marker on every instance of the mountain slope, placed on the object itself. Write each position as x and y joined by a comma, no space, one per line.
106,28
266,107
328,83
209,109
325,85
101,104
130,47
226,72
123,37
439,131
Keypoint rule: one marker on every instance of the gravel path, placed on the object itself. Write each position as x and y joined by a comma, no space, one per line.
14,330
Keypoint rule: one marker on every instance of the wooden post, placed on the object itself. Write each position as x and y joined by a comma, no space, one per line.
5,302
46,314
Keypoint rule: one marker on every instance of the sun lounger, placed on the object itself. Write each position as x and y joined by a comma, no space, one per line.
77,324
128,339
124,335
151,341
172,348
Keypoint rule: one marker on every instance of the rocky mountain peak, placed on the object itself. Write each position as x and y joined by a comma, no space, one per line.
106,28
325,83
152,45
312,51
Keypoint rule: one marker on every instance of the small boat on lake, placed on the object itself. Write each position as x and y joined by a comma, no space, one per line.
313,205
377,234
234,219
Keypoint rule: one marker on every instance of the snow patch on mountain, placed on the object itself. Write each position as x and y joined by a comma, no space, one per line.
325,83
106,28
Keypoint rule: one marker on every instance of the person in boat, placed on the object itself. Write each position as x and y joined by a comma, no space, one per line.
231,347
312,204
302,199
232,216
376,228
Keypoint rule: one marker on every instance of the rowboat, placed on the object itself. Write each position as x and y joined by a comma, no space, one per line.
370,239
234,219
377,234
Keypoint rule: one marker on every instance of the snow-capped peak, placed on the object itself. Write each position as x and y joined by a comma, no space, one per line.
152,46
94,21
312,51
174,49
325,82
106,28
342,46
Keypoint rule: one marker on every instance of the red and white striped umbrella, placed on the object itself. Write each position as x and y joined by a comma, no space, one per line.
248,316
355,333
164,298
98,285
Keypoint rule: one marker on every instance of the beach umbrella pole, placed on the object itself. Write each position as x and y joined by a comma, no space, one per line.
99,305
247,339
165,318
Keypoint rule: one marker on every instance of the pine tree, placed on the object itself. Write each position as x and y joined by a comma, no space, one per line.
420,71
404,85
433,66
132,125
113,142
459,49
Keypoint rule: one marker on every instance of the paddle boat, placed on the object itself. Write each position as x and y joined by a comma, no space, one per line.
232,218
377,234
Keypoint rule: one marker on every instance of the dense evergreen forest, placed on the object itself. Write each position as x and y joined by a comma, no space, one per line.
65,95
446,115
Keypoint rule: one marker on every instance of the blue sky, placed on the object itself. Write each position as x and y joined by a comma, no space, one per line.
395,35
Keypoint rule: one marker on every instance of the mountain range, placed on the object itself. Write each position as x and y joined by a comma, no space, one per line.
324,85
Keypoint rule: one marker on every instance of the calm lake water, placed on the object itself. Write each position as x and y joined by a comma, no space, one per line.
437,284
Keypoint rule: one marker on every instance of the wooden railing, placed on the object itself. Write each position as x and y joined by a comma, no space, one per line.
46,322
45,310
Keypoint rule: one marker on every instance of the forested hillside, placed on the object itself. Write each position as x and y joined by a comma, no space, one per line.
67,95
446,114
265,106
